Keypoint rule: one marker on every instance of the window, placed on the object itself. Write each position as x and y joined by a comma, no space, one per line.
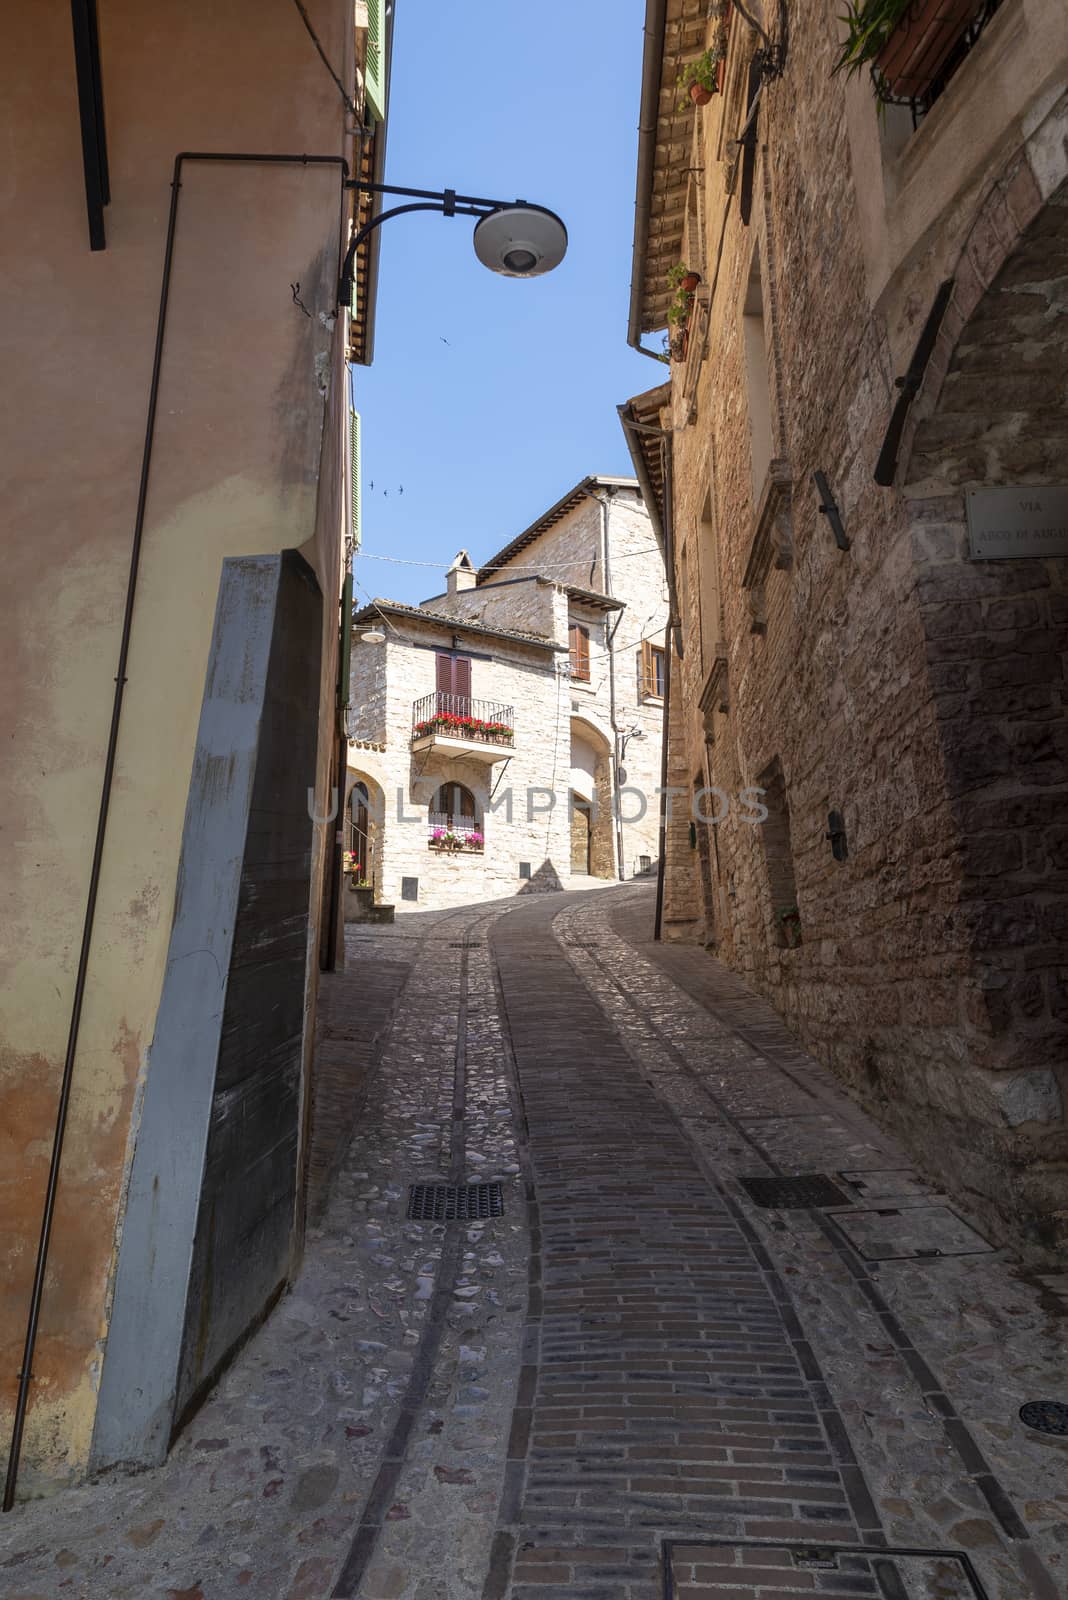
453,820
453,677
756,367
651,671
779,856
711,603
579,638
684,586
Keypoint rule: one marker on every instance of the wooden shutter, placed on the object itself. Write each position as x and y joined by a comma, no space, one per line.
646,679
374,86
461,677
444,675
354,456
580,651
745,202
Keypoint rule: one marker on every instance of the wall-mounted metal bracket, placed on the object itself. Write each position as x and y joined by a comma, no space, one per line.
828,507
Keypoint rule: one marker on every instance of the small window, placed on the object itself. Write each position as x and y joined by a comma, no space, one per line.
779,856
756,366
651,671
452,820
579,638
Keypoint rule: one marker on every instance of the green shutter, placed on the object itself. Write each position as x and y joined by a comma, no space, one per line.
354,443
375,77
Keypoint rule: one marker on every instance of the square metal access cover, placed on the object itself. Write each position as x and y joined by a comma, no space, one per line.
450,1202
909,1233
789,1572
810,1191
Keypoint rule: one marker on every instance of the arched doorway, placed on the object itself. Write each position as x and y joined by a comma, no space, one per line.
993,629
593,842
364,814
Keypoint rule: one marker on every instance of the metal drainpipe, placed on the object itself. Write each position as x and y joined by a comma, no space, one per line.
344,650
662,862
672,633
607,575
48,1213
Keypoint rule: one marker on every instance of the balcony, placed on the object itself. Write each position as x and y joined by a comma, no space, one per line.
453,725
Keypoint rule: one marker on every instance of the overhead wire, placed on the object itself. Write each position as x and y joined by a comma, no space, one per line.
350,104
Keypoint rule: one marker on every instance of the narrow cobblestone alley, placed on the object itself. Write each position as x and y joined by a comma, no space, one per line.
637,1381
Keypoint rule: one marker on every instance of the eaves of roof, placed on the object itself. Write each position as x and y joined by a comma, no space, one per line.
370,162
451,623
586,597
550,518
674,34
648,444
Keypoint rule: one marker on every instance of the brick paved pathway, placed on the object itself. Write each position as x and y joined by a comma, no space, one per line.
636,1383
671,1392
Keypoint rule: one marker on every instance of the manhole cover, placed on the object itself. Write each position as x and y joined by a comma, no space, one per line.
760,1568
899,1233
449,1202
1046,1416
807,1192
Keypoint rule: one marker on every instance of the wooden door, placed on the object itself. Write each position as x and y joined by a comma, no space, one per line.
580,836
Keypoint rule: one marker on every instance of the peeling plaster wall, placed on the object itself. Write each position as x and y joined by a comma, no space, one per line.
238,453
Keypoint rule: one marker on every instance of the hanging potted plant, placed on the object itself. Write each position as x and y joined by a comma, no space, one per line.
903,43
684,278
701,79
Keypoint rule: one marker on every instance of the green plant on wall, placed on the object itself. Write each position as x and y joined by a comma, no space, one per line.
679,310
869,25
703,73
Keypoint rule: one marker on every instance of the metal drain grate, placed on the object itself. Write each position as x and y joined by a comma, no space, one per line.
582,944
465,944
449,1202
1046,1416
810,1191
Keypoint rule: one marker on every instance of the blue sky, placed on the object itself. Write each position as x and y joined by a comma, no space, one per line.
486,431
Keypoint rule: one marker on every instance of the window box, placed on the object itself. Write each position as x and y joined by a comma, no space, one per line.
447,841
913,55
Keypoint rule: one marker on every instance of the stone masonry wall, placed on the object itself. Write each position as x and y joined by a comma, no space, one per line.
842,687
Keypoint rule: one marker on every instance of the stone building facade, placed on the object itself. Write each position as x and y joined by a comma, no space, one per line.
884,302
505,735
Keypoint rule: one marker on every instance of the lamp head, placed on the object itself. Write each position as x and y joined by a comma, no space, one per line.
520,241
373,636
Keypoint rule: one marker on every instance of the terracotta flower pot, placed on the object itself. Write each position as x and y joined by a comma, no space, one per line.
699,95
690,282
915,52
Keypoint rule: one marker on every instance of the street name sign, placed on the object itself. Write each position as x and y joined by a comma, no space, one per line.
1007,523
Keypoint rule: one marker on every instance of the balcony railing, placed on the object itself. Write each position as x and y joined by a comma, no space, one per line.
454,833
942,68
454,716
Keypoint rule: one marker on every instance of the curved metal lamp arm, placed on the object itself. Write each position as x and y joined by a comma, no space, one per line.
445,203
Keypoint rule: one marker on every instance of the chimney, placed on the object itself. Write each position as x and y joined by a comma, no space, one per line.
461,575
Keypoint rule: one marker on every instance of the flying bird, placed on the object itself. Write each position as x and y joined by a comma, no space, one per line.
443,339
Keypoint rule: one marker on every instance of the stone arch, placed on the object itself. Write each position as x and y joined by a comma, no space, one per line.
364,818
1029,181
994,412
590,798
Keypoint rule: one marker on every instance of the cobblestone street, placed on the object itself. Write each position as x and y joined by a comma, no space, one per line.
637,1381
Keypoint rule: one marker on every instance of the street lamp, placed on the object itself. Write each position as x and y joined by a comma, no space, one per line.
512,237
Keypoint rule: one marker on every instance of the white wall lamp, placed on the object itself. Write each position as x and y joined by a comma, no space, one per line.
512,237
